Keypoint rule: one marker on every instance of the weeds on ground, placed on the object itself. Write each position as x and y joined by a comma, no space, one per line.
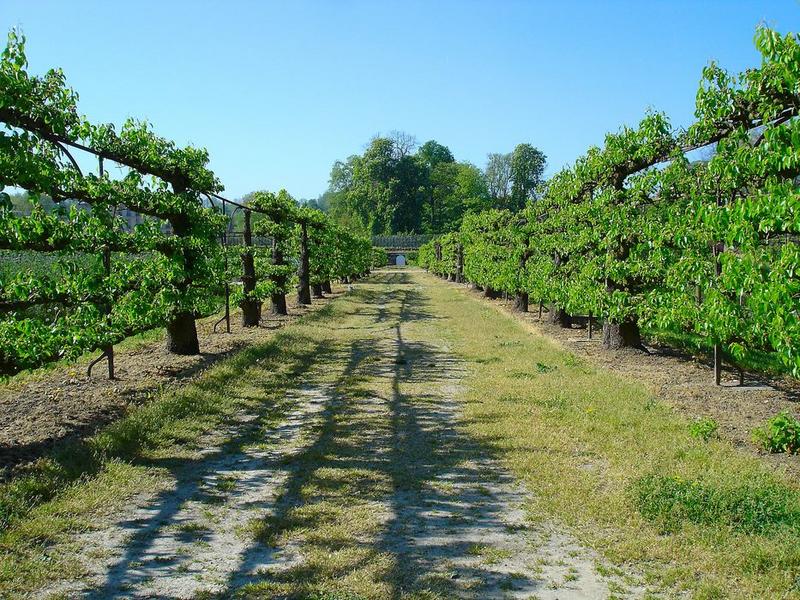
704,429
755,506
781,433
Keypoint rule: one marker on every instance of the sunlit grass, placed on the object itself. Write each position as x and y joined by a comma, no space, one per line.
39,510
595,448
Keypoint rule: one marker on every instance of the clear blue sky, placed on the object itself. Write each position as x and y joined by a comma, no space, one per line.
279,90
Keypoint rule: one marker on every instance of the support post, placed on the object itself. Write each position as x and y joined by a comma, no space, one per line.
108,350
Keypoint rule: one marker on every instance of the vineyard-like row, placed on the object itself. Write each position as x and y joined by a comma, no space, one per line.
167,271
640,234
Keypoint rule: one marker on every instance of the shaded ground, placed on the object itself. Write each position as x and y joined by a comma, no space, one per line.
46,409
359,481
684,382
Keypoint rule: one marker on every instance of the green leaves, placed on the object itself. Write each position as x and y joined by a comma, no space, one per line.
637,231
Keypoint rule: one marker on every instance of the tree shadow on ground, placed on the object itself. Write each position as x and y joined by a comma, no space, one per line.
435,493
198,478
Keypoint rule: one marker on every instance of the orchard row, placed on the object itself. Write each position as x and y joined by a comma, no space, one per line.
695,231
168,271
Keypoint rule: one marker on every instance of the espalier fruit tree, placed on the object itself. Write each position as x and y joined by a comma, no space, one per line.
639,234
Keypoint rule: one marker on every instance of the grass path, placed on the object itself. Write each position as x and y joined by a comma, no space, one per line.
408,441
361,482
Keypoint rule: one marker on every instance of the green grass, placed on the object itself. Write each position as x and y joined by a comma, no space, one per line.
621,468
754,506
53,498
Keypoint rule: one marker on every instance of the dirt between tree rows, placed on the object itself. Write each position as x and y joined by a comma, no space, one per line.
684,382
46,409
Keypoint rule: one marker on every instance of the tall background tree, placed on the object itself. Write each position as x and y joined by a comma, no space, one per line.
498,179
397,187
527,169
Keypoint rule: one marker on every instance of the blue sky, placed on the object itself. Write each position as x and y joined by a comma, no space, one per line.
279,90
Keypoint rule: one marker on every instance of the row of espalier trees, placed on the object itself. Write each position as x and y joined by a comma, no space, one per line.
639,234
167,271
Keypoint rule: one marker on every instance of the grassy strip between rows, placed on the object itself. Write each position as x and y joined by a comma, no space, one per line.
67,491
619,467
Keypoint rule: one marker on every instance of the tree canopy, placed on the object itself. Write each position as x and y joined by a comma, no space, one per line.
397,187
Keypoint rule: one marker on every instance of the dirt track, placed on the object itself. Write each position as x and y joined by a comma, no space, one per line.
367,483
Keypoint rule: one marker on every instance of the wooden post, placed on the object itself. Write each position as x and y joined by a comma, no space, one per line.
303,268
590,324
717,364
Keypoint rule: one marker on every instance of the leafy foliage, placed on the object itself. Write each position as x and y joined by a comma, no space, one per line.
164,270
704,429
389,190
639,234
781,433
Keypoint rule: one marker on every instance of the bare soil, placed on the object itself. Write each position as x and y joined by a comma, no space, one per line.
43,410
684,382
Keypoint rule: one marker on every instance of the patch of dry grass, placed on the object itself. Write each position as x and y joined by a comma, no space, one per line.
583,439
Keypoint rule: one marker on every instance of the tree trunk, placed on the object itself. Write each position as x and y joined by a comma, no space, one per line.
278,304
316,290
182,335
521,302
251,313
251,308
181,331
489,293
326,287
303,275
558,316
278,299
621,335
459,263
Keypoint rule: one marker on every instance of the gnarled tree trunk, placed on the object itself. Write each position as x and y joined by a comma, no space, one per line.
558,316
278,299
621,335
326,287
303,274
521,302
459,263
181,330
182,335
251,308
316,290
